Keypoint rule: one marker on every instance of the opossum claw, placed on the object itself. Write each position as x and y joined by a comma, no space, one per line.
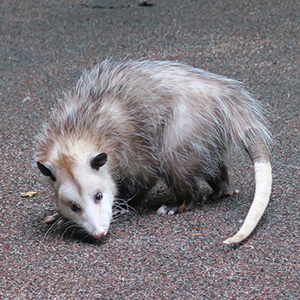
52,218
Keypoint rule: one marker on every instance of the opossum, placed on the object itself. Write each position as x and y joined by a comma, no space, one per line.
127,124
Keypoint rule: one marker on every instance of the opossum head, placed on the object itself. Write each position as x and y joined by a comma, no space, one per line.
84,191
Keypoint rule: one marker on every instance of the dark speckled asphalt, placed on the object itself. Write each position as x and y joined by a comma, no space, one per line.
44,46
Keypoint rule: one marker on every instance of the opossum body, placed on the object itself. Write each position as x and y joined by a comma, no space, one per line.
126,124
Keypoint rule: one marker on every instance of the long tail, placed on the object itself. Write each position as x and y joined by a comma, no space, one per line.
259,154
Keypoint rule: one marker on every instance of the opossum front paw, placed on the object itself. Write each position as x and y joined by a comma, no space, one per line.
52,218
119,211
229,191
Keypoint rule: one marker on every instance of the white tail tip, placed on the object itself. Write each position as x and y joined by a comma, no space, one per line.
263,185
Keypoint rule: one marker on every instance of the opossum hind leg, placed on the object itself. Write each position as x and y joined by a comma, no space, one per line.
185,195
220,184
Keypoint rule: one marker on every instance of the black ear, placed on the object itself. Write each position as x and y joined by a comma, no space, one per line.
99,161
46,170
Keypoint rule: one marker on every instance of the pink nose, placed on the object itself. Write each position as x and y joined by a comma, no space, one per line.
99,233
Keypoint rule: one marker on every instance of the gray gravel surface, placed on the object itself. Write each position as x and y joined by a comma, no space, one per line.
44,46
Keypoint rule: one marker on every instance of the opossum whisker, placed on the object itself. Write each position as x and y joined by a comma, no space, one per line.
71,225
55,224
121,212
66,225
84,234
120,203
78,230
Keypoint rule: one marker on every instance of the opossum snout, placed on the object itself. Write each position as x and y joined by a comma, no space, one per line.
97,223
99,233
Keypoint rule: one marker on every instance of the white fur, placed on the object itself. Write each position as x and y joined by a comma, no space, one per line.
94,217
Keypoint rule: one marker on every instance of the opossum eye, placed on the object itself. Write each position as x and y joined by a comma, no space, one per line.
98,197
75,207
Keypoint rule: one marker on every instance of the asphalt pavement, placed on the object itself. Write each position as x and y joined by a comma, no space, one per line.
44,46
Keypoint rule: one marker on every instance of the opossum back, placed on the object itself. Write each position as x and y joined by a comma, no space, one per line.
162,104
